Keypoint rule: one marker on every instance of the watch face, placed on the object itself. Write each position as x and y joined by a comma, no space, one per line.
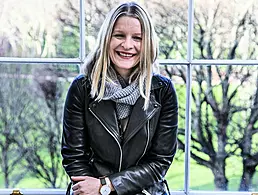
105,190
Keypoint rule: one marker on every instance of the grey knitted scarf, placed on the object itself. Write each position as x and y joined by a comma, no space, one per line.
124,95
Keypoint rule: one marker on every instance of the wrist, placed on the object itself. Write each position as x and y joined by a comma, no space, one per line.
105,186
110,184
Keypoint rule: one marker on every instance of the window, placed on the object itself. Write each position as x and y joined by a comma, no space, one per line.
208,49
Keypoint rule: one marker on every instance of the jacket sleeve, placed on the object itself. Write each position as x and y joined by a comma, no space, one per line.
154,165
75,149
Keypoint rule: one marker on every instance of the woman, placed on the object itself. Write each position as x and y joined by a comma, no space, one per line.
120,119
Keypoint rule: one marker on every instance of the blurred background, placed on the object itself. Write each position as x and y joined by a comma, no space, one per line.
224,97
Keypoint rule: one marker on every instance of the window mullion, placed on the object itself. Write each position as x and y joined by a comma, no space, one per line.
188,96
82,31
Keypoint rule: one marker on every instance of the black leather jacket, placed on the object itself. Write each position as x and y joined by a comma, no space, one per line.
92,145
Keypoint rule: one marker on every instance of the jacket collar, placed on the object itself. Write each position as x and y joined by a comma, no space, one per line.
156,83
105,112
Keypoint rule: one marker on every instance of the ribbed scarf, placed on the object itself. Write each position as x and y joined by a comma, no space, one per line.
124,95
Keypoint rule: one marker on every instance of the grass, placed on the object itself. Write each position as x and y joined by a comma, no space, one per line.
201,178
30,183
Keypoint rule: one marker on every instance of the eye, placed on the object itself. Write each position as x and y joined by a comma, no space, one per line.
137,38
118,36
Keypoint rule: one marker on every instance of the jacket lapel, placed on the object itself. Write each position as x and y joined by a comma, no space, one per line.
104,111
139,116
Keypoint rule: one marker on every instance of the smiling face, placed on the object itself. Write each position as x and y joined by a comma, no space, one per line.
125,45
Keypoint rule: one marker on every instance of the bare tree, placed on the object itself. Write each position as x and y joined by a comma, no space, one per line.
30,127
214,104
43,140
247,143
14,104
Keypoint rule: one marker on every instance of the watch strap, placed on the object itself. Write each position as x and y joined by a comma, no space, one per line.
103,181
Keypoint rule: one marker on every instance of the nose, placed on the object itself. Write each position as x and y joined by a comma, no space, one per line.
127,43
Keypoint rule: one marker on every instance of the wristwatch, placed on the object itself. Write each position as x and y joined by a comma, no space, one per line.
104,189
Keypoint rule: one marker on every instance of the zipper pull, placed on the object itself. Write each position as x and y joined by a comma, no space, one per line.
145,192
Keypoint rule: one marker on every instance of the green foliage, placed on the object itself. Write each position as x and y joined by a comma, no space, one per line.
69,43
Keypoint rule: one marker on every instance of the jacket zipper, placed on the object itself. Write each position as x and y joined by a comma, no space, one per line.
120,148
147,143
145,149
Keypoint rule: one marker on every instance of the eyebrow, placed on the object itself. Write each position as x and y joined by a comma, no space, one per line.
120,31
140,34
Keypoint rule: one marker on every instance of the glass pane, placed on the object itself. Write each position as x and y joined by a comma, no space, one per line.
175,175
170,20
39,28
224,128
31,106
225,29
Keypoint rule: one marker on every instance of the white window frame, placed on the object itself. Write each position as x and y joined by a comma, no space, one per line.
189,62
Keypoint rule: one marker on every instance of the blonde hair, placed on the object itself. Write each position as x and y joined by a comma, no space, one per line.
98,61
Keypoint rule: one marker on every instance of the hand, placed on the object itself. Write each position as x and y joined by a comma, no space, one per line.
85,185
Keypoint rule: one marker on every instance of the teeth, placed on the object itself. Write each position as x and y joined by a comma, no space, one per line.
126,55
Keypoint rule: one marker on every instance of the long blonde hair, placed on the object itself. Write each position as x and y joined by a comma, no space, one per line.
98,61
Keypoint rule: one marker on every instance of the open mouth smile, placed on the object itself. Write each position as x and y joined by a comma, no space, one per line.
127,55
